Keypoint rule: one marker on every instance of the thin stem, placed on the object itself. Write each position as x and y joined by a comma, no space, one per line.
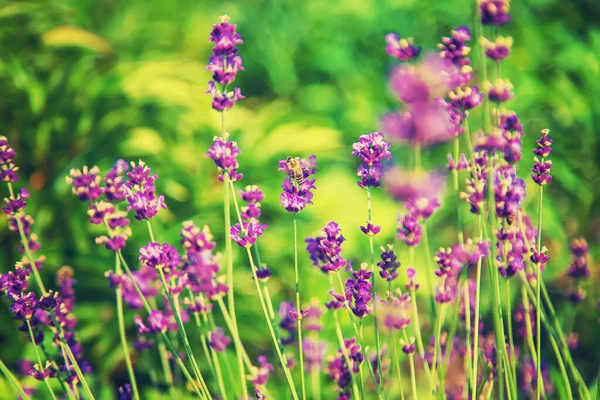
469,360
474,365
429,273
11,378
538,285
459,230
183,335
39,359
411,359
298,310
529,329
216,365
123,336
233,332
374,293
437,354
282,359
511,343
397,364
561,365
338,331
163,336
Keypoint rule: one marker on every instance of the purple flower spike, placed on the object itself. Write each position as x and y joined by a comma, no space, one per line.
466,98
542,168
86,183
539,257
372,149
16,204
325,251
394,314
389,264
156,255
141,192
259,376
224,153
498,50
500,91
8,169
409,230
157,322
456,49
370,229
544,145
247,235
40,373
224,64
114,186
218,341
408,347
358,291
125,392
252,194
297,188
401,49
495,12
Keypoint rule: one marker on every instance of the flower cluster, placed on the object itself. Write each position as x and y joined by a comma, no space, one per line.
401,49
340,372
499,49
297,188
394,313
358,291
456,49
448,272
224,64
389,264
325,251
224,154
8,169
409,230
141,192
372,148
499,91
512,131
542,168
579,269
494,12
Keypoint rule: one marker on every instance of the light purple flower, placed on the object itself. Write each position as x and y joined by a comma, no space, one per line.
157,255
401,49
218,341
296,196
224,153
86,183
494,12
372,148
499,49
358,291
246,235
141,192
325,251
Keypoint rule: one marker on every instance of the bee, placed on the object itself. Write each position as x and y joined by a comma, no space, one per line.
296,170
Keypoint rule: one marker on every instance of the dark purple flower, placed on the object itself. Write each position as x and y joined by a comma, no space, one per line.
16,204
544,145
539,257
297,193
125,392
156,255
509,192
218,341
495,12
389,264
325,251
225,37
408,347
456,49
401,49
449,271
252,194
40,373
14,283
338,301
114,185
370,229
141,192
499,49
224,69
409,230
86,183
8,170
340,372
529,378
24,306
358,291
246,235
223,101
99,211
465,98
463,163
224,153
372,149
288,322
579,268
499,91
476,189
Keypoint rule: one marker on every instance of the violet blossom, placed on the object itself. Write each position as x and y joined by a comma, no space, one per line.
224,153
296,196
371,148
325,250
401,49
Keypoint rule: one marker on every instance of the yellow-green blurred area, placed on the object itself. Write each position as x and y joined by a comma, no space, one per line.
87,82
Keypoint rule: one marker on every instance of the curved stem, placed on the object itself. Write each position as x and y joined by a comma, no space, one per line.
122,335
39,359
298,310
11,378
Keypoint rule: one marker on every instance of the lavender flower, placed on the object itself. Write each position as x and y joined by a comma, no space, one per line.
157,322
86,183
160,256
340,372
370,230
512,132
448,272
298,194
288,322
16,203
499,49
259,376
246,235
114,189
494,12
224,64
372,149
578,269
409,230
465,98
314,353
125,392
509,192
401,49
529,378
218,341
412,284
456,49
325,251
389,264
312,318
520,316
499,91
394,313
224,153
542,168
39,373
141,192
358,291
8,170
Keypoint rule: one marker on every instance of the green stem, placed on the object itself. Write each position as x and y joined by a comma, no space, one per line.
234,333
538,285
437,355
411,360
39,359
163,336
474,365
298,309
469,360
511,342
11,378
340,337
183,335
429,273
460,234
529,329
374,294
282,358
123,336
216,365
397,365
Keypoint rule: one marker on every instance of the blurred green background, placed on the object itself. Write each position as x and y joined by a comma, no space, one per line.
91,81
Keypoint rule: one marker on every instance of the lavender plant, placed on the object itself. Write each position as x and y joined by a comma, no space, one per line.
456,353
